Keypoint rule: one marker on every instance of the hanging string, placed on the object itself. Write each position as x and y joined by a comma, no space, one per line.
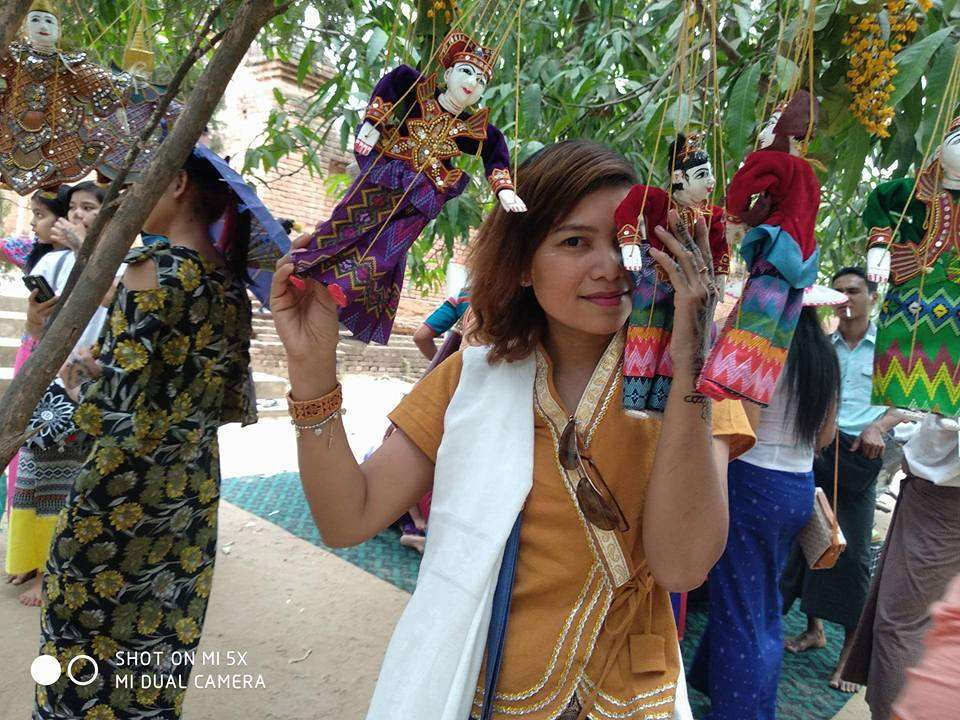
383,226
487,13
516,96
85,24
501,32
682,73
408,36
765,105
117,19
717,125
393,33
698,32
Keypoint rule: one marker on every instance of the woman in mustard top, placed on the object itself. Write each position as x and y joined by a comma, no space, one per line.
614,512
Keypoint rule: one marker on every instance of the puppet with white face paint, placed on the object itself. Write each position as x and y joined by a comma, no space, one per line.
774,197
647,368
917,358
47,98
405,148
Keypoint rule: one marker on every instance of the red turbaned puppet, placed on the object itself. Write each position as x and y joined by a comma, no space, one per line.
774,197
647,369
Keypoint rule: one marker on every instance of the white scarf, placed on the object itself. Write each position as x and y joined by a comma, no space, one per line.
483,474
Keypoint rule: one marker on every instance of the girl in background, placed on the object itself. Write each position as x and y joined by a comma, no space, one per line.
50,461
46,208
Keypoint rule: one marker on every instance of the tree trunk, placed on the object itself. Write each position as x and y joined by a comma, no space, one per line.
28,386
11,18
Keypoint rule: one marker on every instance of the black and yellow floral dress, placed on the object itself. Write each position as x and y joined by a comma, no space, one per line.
132,560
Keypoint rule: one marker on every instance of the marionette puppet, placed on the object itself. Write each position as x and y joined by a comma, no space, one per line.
773,200
131,119
46,98
917,356
406,176
647,368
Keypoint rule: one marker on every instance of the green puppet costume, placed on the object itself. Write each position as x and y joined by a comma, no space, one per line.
918,343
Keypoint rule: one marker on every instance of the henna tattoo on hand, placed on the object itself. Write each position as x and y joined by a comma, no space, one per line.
703,401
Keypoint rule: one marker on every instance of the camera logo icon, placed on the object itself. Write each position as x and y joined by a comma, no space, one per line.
45,670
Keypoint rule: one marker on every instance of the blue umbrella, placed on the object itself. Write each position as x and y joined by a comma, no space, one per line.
268,240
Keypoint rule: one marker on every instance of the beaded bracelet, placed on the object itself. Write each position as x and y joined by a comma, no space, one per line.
311,411
317,428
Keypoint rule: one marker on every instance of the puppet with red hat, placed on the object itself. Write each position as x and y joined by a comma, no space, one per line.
774,198
411,134
647,369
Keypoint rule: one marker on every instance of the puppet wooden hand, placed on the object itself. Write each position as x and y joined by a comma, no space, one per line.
878,264
510,201
734,232
632,259
366,138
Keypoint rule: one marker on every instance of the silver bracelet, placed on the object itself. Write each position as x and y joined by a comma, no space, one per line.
317,429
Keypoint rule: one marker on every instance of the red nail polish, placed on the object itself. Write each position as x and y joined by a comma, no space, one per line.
297,283
339,297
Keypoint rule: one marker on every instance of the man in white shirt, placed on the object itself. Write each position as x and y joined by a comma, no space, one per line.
921,555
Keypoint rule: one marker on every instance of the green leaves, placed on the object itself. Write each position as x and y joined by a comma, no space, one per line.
937,77
912,61
306,61
530,102
851,160
602,71
741,112
378,40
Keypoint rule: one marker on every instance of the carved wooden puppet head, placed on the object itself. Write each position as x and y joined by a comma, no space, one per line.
790,125
468,68
691,173
42,26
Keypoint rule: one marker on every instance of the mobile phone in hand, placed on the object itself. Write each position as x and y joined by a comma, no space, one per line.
40,284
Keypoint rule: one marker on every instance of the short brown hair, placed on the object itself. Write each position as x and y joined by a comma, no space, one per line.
551,182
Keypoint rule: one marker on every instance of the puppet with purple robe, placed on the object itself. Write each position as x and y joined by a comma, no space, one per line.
412,132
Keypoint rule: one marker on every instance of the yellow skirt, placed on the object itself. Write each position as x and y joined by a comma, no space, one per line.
45,478
28,540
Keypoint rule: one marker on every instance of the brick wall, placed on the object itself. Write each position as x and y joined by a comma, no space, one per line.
16,213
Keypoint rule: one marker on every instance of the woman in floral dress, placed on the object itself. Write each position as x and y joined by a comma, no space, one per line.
133,555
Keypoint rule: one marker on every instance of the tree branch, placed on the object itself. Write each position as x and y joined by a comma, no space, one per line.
109,204
28,386
11,18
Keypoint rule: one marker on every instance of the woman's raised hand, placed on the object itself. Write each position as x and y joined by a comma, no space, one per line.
67,234
695,290
305,316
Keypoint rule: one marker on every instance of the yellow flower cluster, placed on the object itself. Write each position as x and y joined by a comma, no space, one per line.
872,66
445,8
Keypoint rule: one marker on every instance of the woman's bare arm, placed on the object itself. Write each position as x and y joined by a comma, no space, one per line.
829,429
349,502
685,513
